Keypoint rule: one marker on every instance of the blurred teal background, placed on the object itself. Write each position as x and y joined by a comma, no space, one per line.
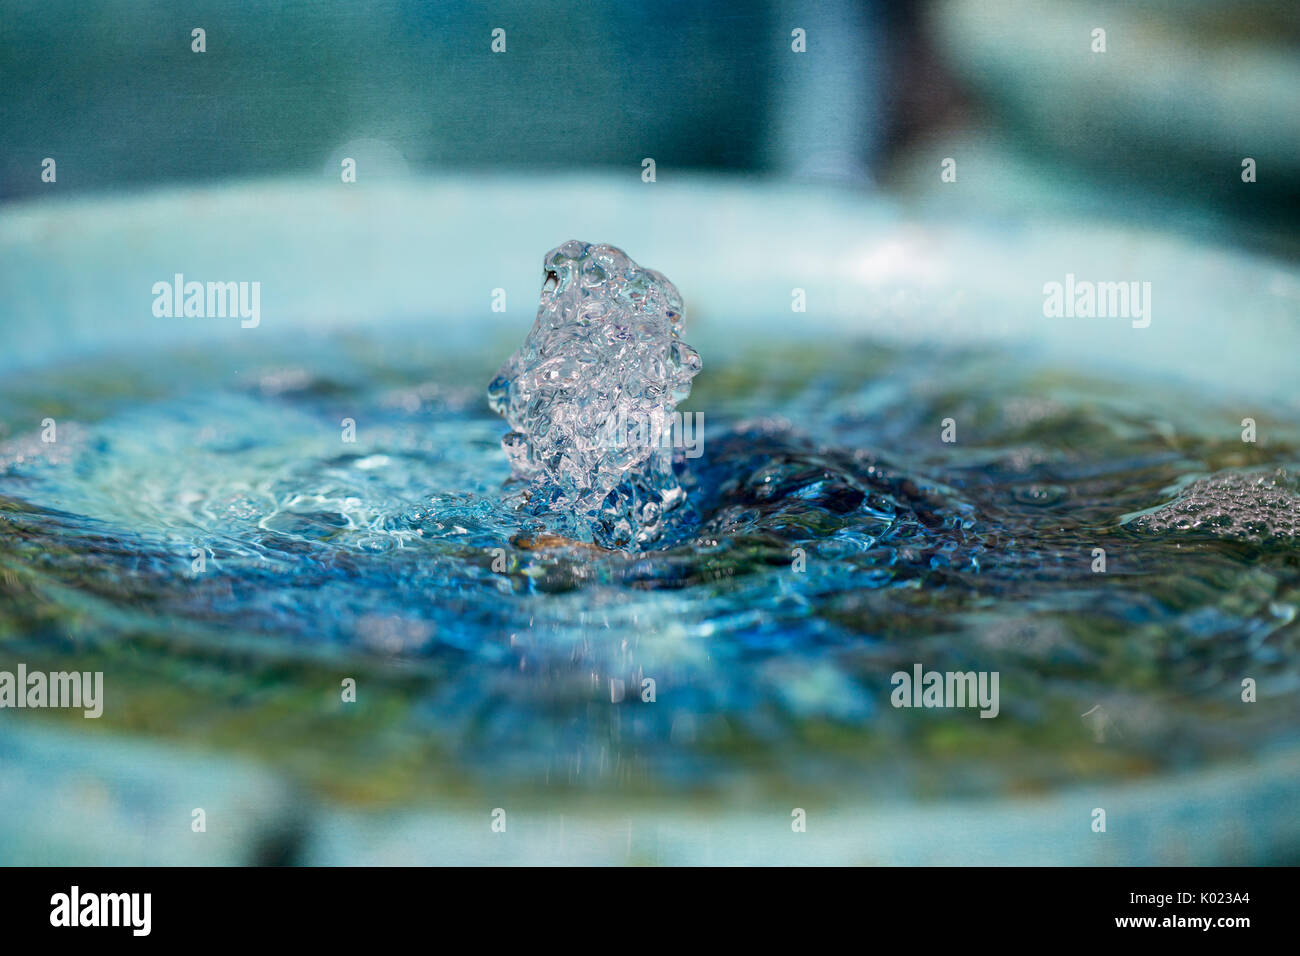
1153,130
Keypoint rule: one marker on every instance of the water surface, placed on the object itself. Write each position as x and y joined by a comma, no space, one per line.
832,538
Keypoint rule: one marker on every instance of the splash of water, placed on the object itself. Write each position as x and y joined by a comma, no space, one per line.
590,394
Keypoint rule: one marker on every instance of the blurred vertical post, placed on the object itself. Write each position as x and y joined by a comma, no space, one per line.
827,108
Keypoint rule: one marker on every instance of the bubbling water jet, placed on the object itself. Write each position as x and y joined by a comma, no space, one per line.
589,394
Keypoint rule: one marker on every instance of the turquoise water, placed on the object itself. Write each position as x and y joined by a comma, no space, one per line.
832,538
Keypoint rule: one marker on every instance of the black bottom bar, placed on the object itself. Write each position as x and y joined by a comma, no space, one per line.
970,905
